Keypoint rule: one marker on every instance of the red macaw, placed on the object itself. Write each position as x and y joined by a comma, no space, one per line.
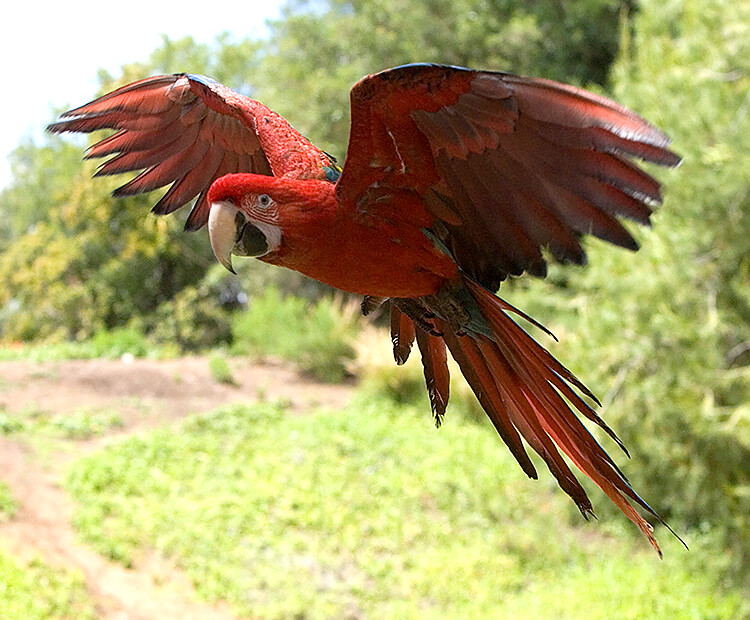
454,179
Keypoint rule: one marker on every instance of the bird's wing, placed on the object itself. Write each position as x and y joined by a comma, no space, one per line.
507,164
188,130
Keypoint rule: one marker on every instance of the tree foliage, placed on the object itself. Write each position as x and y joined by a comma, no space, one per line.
318,50
78,261
92,264
42,178
688,68
665,334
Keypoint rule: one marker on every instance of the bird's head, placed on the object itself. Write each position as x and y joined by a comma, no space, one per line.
249,213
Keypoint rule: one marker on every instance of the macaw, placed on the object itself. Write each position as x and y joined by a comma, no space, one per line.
454,179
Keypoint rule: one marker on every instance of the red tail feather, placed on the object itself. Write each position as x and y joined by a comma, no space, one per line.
528,393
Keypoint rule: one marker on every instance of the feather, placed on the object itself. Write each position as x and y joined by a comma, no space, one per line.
128,161
402,335
436,373
199,176
125,141
568,106
479,377
524,163
162,173
533,383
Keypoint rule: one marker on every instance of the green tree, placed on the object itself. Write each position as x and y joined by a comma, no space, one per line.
77,261
318,50
231,62
41,183
92,264
665,334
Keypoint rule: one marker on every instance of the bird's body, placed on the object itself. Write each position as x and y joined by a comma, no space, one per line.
386,255
453,180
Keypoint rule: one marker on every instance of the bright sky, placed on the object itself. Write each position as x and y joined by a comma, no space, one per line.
51,51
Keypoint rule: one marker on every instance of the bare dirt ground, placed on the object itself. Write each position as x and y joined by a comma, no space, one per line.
146,394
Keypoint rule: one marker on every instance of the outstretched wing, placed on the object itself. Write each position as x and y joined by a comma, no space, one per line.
506,164
188,130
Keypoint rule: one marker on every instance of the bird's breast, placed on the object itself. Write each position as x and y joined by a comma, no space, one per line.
390,259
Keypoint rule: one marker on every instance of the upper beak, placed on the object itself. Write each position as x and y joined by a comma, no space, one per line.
222,231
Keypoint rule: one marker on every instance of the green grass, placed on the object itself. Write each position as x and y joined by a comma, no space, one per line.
371,512
314,335
10,423
8,506
106,344
34,591
79,424
83,424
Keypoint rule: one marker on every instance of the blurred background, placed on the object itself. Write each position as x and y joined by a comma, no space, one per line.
179,442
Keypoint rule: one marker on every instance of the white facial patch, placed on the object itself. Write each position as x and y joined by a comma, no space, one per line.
272,233
265,217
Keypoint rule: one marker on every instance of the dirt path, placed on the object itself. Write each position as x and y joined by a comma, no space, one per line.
146,394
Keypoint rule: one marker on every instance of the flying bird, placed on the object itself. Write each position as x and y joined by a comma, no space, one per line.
454,179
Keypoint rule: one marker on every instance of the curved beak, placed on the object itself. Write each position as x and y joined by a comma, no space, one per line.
222,231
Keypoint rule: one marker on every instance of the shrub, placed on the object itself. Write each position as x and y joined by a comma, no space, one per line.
314,335
220,370
193,320
117,342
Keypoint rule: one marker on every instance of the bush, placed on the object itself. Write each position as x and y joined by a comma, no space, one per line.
83,424
220,370
32,590
193,320
9,423
93,264
8,505
117,342
314,335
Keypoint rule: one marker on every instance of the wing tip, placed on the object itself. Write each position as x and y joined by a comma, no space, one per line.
55,127
198,216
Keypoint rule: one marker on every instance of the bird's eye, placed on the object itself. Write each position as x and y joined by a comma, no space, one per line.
264,201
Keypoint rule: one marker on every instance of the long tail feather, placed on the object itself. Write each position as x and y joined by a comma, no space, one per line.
527,393
479,377
518,402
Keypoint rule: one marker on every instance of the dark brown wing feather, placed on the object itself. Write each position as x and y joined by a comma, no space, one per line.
403,333
510,165
436,373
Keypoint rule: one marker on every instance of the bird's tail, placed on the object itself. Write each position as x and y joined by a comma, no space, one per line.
529,395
